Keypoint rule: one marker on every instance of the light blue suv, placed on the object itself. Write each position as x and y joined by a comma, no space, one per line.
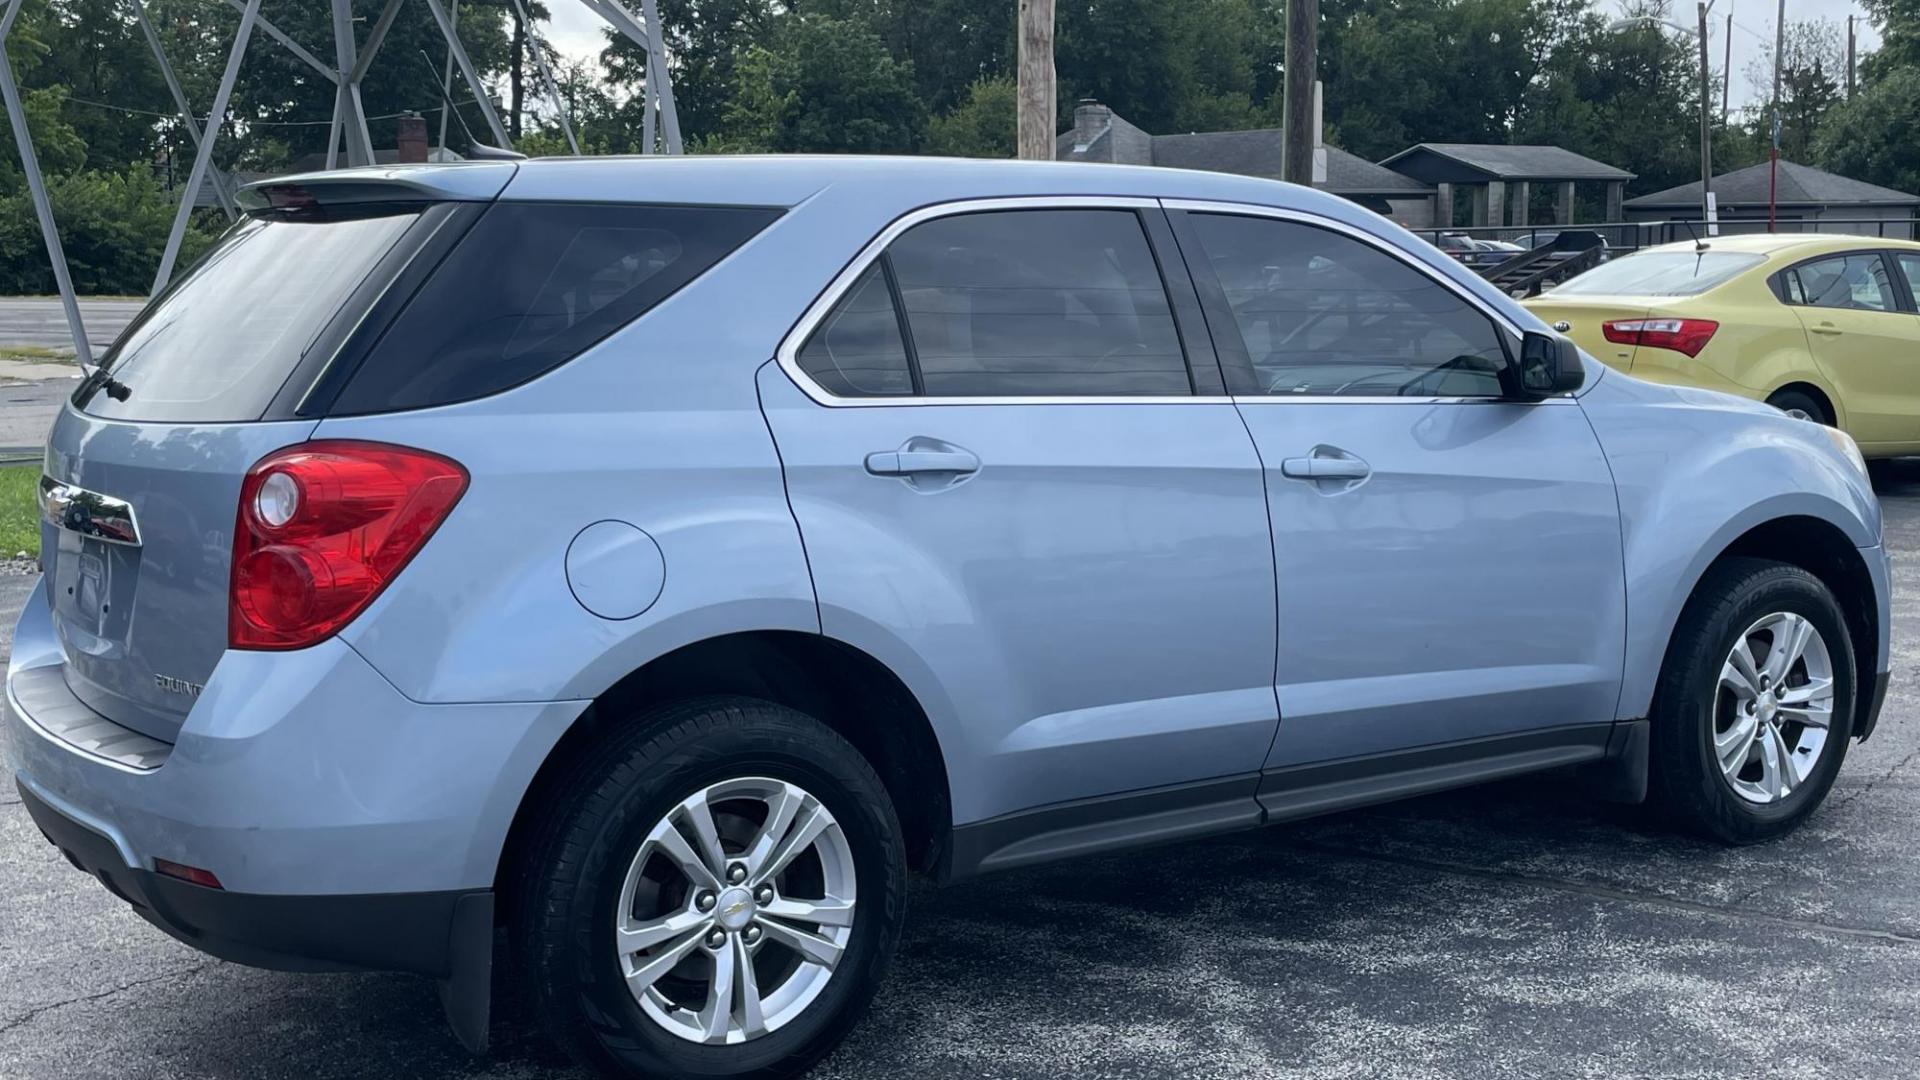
661,558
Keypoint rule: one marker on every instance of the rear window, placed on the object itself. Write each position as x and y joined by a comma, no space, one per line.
220,343
533,285
1661,273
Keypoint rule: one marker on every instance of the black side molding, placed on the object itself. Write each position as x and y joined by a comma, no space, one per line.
1616,754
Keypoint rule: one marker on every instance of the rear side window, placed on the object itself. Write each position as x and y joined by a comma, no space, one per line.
218,346
1854,282
532,286
1038,302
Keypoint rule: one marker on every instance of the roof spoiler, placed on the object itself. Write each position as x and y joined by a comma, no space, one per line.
472,181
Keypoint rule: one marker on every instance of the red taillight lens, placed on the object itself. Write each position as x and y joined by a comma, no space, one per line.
1681,335
323,527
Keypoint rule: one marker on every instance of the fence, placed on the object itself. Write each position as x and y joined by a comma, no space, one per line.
1623,236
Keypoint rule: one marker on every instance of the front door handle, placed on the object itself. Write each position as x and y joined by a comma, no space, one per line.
1827,328
1321,465
909,461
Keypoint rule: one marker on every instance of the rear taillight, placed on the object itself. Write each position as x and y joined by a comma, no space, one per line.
1681,335
323,527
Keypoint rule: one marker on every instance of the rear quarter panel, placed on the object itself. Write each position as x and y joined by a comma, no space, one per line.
1694,471
1759,347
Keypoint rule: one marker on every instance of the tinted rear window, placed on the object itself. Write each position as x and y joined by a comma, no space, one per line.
218,345
533,285
1660,273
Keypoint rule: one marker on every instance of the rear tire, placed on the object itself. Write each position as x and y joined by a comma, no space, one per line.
1739,750
626,858
1801,406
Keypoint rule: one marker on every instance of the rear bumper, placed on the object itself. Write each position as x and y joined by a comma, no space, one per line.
350,826
411,932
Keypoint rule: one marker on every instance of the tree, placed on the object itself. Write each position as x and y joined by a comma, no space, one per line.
980,126
1629,98
1809,87
706,39
823,85
1876,136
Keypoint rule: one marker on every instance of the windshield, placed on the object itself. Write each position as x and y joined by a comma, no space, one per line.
218,345
1660,273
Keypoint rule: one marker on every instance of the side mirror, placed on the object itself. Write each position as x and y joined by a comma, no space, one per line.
1549,365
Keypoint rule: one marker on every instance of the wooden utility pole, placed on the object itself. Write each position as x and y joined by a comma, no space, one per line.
1773,158
1034,134
1706,126
1850,57
1726,75
1303,61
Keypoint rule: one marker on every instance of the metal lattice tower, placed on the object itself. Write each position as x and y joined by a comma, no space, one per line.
351,60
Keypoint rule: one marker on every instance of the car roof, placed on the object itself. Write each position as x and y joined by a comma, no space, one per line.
787,180
1790,245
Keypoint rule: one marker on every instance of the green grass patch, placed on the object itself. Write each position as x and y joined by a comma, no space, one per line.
38,354
19,514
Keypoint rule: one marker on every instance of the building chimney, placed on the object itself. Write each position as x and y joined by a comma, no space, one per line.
1090,118
412,143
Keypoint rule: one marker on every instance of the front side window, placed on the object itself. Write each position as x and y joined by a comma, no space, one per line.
1853,282
1323,313
1038,302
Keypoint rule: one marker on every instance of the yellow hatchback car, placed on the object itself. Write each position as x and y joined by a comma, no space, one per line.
1821,326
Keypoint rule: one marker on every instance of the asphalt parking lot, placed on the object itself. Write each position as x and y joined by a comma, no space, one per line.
1507,932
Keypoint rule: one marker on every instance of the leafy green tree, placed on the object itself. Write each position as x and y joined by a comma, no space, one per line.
980,126
1876,136
824,85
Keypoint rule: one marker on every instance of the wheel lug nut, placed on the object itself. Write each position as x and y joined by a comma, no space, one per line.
736,873
752,935
763,895
716,939
705,901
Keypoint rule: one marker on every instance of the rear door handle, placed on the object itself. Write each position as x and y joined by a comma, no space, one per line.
1317,467
1827,328
916,462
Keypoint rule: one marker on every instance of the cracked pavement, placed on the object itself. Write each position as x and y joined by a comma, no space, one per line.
1511,931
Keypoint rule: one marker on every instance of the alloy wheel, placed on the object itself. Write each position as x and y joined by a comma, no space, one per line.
735,910
1773,708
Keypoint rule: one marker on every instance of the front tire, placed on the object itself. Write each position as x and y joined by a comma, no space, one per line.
718,896
1754,708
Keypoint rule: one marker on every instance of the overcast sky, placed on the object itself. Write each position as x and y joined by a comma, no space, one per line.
576,32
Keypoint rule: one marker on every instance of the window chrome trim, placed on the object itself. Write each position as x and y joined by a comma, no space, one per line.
1202,206
1494,315
788,355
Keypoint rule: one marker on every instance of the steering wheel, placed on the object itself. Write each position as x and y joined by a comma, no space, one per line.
1417,386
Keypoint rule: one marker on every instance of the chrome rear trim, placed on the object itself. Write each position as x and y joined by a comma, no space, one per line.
89,513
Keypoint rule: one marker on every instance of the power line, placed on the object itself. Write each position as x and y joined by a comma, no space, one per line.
245,120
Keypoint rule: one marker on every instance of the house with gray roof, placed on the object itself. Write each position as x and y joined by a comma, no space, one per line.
1499,180
1100,134
1803,195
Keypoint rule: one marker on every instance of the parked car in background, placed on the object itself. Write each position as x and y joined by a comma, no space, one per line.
1823,327
656,559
